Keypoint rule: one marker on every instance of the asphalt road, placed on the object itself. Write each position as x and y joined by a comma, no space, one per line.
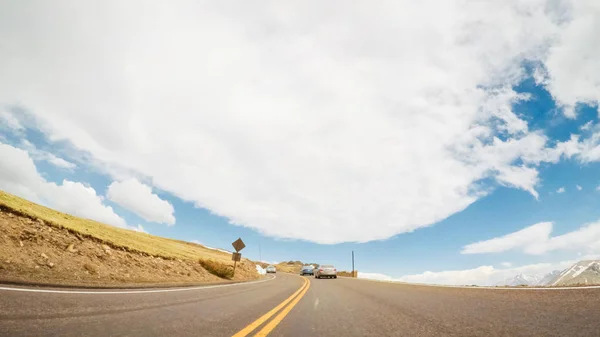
293,306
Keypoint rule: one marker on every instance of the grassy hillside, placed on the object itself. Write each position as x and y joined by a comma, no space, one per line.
42,245
292,266
114,236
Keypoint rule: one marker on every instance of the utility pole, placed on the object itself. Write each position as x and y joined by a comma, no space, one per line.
352,263
259,253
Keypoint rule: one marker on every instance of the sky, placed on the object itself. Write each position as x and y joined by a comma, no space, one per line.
452,142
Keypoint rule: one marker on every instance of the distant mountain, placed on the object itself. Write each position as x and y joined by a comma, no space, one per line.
582,272
530,280
521,280
549,278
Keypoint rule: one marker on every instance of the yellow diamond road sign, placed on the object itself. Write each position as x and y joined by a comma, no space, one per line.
238,244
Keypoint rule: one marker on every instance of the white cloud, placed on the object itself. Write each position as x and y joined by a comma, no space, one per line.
138,228
301,125
579,188
522,177
526,236
9,122
38,155
536,240
483,275
138,198
18,175
587,126
560,190
506,264
572,63
61,163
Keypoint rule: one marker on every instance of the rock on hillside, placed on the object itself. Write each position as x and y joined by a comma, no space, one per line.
582,272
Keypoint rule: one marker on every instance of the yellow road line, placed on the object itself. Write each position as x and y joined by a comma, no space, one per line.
252,326
273,323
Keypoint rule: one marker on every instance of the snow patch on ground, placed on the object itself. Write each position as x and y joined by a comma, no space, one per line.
582,269
375,276
218,249
205,246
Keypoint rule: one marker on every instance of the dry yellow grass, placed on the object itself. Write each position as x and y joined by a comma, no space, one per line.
217,268
113,236
344,273
293,267
286,267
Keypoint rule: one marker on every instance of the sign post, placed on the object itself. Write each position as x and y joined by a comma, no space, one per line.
237,256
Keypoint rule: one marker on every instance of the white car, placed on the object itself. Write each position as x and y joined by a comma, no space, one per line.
327,271
271,269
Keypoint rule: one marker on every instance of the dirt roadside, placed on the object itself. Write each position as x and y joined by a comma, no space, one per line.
35,251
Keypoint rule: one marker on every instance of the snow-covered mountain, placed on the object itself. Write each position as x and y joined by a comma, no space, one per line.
549,278
582,272
520,279
530,280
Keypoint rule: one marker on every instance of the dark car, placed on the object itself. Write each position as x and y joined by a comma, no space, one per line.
307,270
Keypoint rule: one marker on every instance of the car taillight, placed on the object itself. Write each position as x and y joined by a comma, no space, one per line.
320,269
334,269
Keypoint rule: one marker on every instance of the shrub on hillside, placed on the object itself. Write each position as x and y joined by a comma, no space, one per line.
216,268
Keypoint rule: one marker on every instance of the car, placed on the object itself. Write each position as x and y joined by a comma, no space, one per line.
307,270
327,271
271,269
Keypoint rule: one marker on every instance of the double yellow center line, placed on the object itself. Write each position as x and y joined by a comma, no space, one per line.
294,299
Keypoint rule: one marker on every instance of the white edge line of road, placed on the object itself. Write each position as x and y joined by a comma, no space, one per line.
477,287
101,292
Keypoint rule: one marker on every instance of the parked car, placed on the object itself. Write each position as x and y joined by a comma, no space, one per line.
271,269
327,271
307,270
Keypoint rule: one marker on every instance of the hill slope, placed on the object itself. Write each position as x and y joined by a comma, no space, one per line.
530,280
580,273
39,244
293,267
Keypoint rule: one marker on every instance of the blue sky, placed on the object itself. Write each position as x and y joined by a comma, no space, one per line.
447,155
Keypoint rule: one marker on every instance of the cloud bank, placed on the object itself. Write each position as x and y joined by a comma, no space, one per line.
537,239
138,198
483,275
18,175
356,124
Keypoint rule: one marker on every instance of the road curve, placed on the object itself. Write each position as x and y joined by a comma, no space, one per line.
293,306
214,311
350,307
